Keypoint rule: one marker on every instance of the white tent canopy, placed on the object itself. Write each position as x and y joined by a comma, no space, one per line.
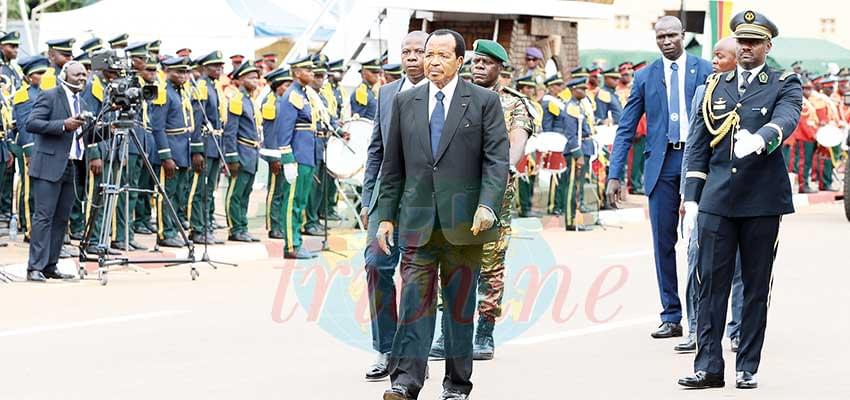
201,25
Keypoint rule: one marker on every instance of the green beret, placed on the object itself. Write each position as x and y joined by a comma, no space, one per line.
491,49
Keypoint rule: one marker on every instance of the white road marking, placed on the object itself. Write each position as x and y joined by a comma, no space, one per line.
610,326
631,254
93,322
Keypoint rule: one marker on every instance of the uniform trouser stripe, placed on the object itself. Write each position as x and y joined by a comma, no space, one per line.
553,190
192,195
227,200
569,211
290,202
90,194
269,197
25,182
160,224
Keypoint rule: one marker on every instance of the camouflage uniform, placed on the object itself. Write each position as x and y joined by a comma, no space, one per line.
491,281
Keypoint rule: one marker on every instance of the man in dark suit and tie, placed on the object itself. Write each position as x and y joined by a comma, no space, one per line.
663,91
55,124
380,267
442,183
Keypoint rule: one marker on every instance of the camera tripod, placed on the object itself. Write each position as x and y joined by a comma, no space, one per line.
122,132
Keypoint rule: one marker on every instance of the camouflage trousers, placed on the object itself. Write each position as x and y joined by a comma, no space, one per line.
491,282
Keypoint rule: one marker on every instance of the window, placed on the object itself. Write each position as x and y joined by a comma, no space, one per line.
621,22
827,25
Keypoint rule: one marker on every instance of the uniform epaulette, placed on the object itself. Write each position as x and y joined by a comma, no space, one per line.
269,110
296,100
48,80
554,108
786,75
730,76
97,88
235,105
361,95
513,92
161,95
565,95
574,110
22,95
202,92
604,96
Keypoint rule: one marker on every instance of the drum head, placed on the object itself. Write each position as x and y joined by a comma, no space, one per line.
830,136
551,141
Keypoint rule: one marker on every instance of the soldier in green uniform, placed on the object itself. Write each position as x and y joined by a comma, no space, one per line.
271,151
12,76
241,152
525,185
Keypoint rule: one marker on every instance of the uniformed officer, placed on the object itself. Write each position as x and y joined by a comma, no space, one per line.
278,81
11,75
336,69
153,47
298,154
33,68
554,121
121,41
535,65
241,152
576,129
92,45
608,105
210,115
740,182
392,72
506,78
9,43
525,187
364,103
173,119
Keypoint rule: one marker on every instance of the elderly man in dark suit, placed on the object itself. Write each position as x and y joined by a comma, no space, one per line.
380,267
442,183
55,124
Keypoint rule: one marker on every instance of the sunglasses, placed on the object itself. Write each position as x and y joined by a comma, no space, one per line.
531,59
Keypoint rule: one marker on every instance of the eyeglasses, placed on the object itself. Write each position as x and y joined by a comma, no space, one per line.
531,59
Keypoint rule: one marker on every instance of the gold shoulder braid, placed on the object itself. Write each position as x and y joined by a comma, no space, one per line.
729,119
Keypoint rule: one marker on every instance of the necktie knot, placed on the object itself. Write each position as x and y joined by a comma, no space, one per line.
440,96
746,75
674,66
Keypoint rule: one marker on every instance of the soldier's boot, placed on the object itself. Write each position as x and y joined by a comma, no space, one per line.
438,349
483,347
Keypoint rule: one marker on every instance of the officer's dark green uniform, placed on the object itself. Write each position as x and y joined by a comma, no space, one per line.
210,111
525,185
298,133
12,75
271,153
241,145
575,128
740,185
23,101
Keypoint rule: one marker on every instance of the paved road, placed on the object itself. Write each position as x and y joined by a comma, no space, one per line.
229,335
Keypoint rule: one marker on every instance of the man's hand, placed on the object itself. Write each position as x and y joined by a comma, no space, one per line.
198,162
364,217
747,143
385,236
96,167
290,172
73,123
614,193
345,136
484,219
233,167
170,168
274,167
690,218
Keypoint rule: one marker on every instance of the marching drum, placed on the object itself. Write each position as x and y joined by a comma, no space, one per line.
550,141
605,134
830,136
346,160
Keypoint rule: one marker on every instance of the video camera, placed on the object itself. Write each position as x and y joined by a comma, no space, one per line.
127,90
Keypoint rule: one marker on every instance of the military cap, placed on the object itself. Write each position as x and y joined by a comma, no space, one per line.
212,58
797,64
34,64
639,65
372,65
594,70
828,81
303,62
83,58
184,52
270,57
491,49
752,25
507,71
237,58
153,47
534,52
578,72
320,64
843,72
64,46
244,69
554,80
580,83
176,63
817,79
12,37
527,80
137,49
625,65
337,66
278,75
92,45
151,62
121,40
392,69
611,73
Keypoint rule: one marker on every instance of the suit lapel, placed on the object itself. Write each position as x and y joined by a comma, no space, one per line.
421,118
660,85
730,87
690,81
63,98
460,102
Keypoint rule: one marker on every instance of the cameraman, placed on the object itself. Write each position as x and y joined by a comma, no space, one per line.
55,124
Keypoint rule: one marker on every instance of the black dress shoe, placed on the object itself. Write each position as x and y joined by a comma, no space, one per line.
137,246
202,238
36,276
92,249
667,330
76,235
152,227
142,230
746,380
171,242
557,212
529,214
121,246
253,238
577,228
688,346
736,341
333,216
275,235
438,349
313,230
452,394
703,380
380,369
299,254
58,275
240,237
397,392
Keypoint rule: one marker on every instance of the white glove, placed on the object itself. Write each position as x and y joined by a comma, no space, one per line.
290,172
747,143
690,219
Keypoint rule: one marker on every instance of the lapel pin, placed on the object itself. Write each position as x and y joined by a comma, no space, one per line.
693,71
764,111
763,77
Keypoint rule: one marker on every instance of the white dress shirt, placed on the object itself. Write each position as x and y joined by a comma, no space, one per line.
408,84
753,73
448,91
684,122
77,145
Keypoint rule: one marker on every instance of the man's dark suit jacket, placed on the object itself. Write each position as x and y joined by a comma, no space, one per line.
471,166
52,143
376,146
